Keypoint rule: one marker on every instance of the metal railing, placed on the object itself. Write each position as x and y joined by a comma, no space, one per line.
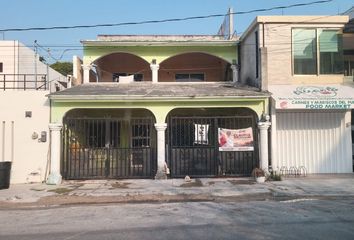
191,156
95,148
23,82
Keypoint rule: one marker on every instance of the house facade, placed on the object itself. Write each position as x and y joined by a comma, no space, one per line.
152,106
25,111
299,59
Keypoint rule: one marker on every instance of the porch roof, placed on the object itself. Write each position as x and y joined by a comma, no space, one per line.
148,90
160,40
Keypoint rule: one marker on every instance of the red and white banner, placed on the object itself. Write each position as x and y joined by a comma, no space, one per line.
235,139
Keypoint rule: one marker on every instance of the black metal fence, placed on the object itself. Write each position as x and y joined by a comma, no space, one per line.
194,154
108,148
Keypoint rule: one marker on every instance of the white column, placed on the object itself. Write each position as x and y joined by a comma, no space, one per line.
86,69
162,169
155,69
234,73
54,174
263,146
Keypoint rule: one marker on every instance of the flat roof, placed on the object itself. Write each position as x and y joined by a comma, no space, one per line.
143,40
148,90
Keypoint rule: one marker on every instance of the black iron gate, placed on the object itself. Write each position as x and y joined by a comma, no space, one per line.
108,148
192,155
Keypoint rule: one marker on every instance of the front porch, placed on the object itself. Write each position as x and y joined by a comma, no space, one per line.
102,124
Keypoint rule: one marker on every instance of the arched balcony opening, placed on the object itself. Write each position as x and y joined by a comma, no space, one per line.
195,67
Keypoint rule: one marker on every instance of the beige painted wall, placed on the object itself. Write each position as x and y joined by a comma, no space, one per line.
277,40
77,71
30,156
248,59
20,59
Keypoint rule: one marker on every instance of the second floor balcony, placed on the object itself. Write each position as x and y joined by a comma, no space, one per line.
185,67
23,82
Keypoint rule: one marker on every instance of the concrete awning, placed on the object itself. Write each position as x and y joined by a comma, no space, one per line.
148,90
334,96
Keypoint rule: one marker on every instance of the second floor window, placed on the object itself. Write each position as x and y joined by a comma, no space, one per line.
189,77
317,51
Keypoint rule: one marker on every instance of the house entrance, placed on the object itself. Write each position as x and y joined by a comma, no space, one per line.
108,147
193,146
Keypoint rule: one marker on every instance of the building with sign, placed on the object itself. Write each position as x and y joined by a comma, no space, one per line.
299,59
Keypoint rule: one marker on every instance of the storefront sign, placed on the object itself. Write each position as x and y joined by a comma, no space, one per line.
313,97
235,139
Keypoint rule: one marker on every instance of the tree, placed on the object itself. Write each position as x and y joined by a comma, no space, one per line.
65,68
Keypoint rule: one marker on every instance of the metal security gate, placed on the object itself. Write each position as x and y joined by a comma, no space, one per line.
108,148
191,156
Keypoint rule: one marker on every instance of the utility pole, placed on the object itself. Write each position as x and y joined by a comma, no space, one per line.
35,63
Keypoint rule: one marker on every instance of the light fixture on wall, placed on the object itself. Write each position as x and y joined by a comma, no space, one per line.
153,61
28,114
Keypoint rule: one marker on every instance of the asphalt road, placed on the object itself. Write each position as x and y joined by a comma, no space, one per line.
296,219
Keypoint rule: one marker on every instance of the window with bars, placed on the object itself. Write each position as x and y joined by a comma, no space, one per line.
189,77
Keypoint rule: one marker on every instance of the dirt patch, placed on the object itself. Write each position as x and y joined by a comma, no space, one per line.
241,182
120,185
37,189
61,190
196,183
211,183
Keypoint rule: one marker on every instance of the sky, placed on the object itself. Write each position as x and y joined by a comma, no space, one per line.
63,44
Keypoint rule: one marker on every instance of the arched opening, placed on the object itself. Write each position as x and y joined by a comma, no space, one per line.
110,67
195,142
195,67
108,143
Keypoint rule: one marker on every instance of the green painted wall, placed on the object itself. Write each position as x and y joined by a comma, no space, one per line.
160,109
160,53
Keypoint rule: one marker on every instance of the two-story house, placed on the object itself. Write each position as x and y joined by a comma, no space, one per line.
25,111
156,105
299,59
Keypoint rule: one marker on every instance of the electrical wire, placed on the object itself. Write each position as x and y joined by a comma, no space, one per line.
164,20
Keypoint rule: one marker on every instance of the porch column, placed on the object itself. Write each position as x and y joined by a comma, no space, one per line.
162,169
263,146
155,69
54,174
86,78
234,73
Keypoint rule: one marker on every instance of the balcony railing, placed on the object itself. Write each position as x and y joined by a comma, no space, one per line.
23,82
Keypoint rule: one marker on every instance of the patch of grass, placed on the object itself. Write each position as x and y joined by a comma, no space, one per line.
61,190
275,176
196,183
120,185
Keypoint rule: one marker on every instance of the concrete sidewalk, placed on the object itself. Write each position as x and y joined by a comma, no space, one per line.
173,190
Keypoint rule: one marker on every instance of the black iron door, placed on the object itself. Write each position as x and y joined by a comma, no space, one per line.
193,147
108,148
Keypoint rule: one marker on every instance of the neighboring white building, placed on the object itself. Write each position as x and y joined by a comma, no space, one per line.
299,59
25,111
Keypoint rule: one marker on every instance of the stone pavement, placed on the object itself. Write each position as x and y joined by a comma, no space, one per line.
176,190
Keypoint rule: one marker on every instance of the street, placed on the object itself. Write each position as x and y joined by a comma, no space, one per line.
291,219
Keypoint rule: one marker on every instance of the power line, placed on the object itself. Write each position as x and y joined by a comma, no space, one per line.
164,20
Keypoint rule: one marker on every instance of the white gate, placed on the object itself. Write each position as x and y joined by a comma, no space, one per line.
314,139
